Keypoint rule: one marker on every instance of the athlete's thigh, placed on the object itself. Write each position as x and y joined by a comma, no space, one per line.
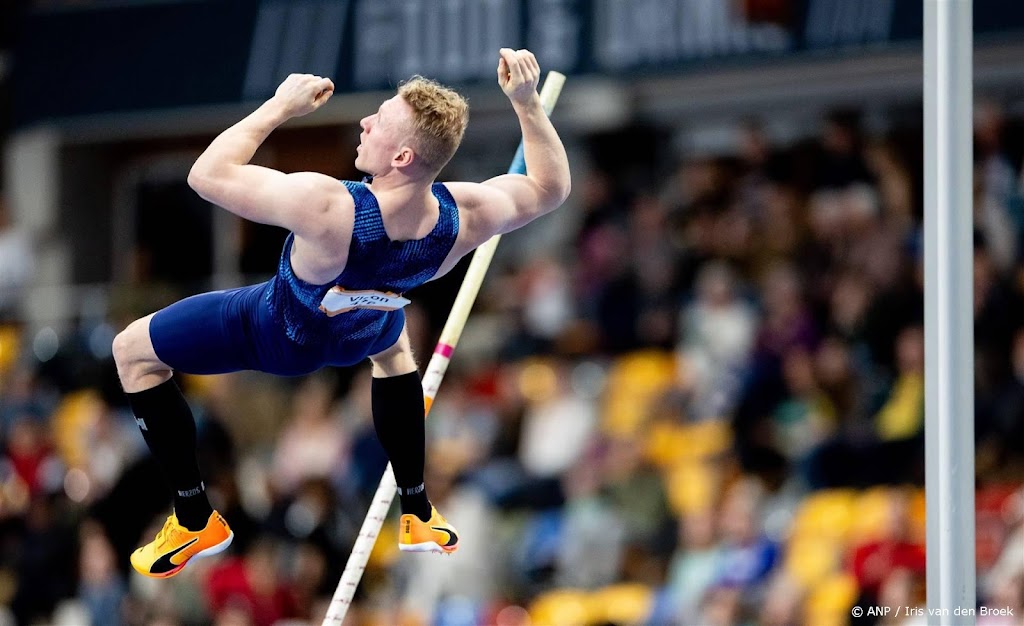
396,360
206,333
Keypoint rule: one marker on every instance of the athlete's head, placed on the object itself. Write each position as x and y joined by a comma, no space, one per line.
421,127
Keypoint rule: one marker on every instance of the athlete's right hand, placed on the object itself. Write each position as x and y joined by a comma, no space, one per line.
301,94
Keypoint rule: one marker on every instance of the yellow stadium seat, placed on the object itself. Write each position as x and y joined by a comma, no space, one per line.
538,380
873,514
828,514
10,345
202,386
72,422
708,438
561,607
829,619
809,559
665,443
635,380
670,443
385,550
621,604
918,529
830,600
406,617
691,487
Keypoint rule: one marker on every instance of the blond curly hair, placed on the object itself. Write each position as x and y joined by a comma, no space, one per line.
440,116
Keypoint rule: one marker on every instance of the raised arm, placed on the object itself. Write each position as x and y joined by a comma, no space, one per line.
223,175
546,184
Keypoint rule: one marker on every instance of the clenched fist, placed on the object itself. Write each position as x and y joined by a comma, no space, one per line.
301,94
518,75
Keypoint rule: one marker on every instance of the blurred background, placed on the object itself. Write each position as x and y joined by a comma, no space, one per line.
693,395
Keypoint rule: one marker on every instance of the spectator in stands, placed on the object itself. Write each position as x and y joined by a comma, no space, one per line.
17,262
1006,603
44,560
30,454
814,374
312,443
592,542
874,561
842,162
998,311
782,604
748,556
1000,419
716,340
545,295
901,587
808,416
696,563
720,606
251,586
899,425
101,587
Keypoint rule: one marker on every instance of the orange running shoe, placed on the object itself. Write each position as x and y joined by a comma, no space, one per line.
436,535
176,545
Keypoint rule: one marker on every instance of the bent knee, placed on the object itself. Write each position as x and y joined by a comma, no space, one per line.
133,354
124,347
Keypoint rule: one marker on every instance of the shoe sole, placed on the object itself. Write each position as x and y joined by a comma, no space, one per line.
427,546
215,549
212,550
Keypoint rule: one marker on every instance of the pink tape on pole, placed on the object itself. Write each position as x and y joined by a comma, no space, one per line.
444,350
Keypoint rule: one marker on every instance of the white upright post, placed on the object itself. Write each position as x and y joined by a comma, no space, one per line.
949,322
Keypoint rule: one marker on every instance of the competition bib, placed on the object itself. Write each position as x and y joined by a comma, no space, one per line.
339,300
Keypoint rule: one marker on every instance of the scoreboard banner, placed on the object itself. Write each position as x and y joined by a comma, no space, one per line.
112,55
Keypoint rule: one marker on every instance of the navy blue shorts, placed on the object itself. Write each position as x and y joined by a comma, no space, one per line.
232,330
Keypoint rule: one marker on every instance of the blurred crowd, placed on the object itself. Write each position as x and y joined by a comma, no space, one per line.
706,408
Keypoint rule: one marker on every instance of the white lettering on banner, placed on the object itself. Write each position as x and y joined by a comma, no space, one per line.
841,22
457,40
293,37
554,34
628,33
450,40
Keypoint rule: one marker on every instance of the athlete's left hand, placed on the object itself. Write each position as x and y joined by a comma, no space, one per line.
301,94
518,75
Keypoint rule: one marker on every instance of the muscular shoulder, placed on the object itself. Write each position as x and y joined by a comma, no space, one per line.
323,233
476,222
331,217
467,195
321,246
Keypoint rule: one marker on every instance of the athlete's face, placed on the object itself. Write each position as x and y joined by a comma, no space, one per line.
384,142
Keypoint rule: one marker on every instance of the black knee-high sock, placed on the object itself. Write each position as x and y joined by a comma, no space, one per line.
169,429
398,413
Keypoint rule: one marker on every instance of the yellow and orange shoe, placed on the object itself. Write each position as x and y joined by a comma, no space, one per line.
176,545
436,535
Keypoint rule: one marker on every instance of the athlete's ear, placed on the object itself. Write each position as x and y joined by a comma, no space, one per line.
404,158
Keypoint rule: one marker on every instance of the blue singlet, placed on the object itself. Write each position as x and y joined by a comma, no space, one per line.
278,327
